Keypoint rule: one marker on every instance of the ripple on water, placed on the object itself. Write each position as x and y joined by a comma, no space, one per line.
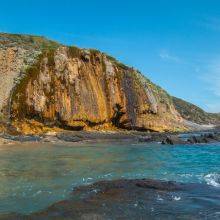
33,177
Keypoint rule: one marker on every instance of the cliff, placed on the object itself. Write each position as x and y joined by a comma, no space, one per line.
44,84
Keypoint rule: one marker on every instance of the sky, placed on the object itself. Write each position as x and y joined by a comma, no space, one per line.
175,43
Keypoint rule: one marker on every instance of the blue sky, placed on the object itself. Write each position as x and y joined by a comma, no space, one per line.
176,43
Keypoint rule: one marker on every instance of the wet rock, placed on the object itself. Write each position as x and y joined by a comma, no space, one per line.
210,135
145,139
192,138
198,140
172,139
203,138
129,199
69,138
159,185
22,138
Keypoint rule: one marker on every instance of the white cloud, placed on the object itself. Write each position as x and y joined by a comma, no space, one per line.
166,56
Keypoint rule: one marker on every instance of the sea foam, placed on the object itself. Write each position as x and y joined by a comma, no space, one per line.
213,179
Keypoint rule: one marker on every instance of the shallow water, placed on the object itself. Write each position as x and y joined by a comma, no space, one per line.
35,175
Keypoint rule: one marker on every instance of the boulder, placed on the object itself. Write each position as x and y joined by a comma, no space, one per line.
172,139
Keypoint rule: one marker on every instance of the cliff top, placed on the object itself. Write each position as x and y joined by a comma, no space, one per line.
27,40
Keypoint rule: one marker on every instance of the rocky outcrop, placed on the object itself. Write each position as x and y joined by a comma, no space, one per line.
172,139
77,89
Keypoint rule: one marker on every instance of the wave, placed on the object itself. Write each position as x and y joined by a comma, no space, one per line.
213,179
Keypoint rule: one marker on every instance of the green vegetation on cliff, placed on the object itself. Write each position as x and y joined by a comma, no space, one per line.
19,94
27,41
195,114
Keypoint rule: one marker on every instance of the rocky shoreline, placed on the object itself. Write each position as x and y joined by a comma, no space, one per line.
198,137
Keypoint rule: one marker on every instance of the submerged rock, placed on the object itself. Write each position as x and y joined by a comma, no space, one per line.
132,199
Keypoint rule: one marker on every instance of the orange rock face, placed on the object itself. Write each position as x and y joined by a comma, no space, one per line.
86,89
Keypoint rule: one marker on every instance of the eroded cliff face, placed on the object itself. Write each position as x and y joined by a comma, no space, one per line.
84,89
12,61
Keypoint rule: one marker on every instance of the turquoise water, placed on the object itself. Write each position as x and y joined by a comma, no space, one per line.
35,175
